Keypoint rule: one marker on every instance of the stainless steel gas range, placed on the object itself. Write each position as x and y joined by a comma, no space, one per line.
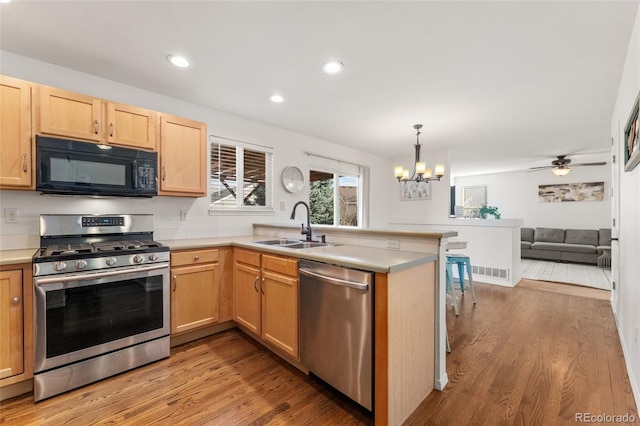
101,299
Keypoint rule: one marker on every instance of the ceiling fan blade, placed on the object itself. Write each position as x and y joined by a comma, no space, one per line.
601,163
541,167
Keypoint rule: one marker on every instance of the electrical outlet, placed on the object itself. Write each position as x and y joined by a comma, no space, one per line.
183,215
393,244
282,206
11,215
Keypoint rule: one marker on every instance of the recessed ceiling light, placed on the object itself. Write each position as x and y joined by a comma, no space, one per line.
276,99
179,61
333,67
5,1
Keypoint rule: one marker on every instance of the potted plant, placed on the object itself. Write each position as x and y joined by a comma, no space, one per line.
489,210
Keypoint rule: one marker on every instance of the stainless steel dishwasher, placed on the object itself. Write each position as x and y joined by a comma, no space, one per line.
336,327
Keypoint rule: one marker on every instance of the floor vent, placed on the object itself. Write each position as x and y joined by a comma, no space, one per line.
491,272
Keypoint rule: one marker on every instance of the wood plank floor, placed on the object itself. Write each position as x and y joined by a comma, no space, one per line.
535,354
523,355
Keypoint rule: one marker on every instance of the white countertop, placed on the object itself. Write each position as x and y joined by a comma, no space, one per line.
15,257
352,256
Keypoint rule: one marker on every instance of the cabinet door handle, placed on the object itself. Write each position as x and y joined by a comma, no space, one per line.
111,129
196,258
262,286
164,173
15,300
95,127
255,284
24,163
175,282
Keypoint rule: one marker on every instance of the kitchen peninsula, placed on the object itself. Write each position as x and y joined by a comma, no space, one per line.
409,301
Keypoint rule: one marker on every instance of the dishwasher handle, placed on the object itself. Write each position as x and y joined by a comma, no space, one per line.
335,281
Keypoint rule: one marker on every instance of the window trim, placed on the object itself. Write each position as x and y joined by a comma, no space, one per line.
336,194
239,208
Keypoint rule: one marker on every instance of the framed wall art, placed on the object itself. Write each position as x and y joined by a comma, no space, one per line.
587,191
415,191
631,138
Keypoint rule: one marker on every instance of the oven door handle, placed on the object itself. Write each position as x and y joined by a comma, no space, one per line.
59,279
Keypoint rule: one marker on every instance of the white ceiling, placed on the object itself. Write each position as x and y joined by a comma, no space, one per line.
501,85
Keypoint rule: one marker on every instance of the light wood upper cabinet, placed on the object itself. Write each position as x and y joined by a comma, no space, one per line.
183,152
68,114
131,126
76,116
195,287
17,159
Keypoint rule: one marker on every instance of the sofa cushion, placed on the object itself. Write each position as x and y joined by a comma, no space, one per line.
525,244
604,237
581,236
526,234
548,235
574,248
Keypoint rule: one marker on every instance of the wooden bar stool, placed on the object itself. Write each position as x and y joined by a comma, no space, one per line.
463,262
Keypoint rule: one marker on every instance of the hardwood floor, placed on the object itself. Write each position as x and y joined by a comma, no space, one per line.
520,356
528,355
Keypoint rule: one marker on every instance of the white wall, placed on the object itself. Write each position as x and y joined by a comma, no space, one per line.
516,196
627,292
289,149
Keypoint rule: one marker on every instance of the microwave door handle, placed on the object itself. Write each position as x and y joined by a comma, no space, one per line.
134,174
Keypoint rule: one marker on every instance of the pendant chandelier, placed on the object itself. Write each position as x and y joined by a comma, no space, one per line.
420,171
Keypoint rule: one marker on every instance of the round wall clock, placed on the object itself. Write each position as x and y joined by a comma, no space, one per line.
292,179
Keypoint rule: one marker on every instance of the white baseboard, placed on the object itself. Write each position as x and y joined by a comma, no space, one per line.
635,388
442,382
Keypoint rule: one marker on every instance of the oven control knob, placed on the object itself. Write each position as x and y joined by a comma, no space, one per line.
81,264
111,261
153,257
59,266
138,259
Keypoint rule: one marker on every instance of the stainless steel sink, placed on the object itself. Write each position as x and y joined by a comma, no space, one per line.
292,244
305,244
280,242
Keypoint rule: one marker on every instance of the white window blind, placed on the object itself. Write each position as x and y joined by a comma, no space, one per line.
240,177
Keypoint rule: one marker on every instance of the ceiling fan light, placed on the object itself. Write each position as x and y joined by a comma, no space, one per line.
561,171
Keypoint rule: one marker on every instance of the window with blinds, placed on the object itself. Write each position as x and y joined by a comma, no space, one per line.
474,196
239,177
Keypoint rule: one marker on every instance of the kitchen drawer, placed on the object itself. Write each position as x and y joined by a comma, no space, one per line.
191,257
281,265
247,257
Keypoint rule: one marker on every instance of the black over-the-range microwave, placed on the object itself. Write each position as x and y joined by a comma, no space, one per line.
69,167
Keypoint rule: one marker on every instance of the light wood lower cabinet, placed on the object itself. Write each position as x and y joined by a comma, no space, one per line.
266,298
16,324
16,161
195,289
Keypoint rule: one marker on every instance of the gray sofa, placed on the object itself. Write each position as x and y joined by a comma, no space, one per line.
567,245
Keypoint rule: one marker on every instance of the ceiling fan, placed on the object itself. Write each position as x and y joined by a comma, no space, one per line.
560,166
